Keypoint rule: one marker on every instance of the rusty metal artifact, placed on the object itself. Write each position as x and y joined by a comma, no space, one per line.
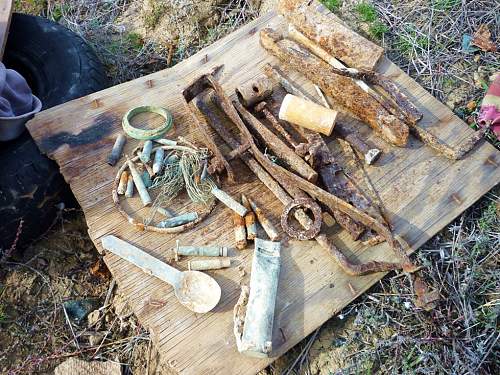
340,87
305,234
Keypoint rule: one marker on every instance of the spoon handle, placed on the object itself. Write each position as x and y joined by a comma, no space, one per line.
141,259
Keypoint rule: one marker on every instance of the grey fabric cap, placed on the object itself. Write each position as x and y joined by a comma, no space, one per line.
15,95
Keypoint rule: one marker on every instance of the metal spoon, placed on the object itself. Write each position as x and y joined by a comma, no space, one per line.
195,290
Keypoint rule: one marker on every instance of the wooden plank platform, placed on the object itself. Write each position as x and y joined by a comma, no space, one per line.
420,190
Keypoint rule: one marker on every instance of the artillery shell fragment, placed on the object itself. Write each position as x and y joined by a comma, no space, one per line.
178,220
122,186
250,220
158,161
229,201
269,228
256,340
129,192
146,151
240,233
209,264
139,184
166,142
202,251
117,149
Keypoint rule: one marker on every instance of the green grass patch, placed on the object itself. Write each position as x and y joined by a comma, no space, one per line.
377,29
446,4
366,12
135,40
332,5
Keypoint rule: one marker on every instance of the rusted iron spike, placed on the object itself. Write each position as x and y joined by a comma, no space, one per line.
287,178
337,86
262,107
283,152
322,159
266,178
371,154
219,163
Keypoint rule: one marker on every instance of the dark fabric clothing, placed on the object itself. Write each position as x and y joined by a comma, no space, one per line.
15,95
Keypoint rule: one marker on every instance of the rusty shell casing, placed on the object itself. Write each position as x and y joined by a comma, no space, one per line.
256,340
139,184
328,31
158,160
129,192
254,91
250,219
117,149
209,264
266,223
145,155
229,201
122,186
240,233
178,220
200,251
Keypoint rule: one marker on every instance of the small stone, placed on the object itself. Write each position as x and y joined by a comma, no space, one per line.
93,318
95,338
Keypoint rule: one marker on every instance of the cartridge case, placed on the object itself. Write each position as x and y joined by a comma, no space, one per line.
158,161
145,155
129,192
228,201
117,149
250,219
209,264
264,221
139,184
178,220
201,251
122,186
240,233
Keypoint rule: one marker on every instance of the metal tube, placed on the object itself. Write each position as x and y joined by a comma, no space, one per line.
209,264
229,201
117,149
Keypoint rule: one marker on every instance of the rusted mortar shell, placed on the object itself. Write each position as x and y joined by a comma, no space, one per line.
158,161
139,184
269,228
202,251
122,186
146,179
255,91
307,114
229,201
250,220
165,212
209,264
129,192
240,233
166,142
178,220
146,151
117,149
256,340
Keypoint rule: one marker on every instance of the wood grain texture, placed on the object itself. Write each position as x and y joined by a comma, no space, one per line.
5,16
421,192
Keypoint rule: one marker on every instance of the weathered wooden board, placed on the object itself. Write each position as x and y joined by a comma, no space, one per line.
420,190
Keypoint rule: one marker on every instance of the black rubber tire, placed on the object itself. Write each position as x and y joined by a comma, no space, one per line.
59,66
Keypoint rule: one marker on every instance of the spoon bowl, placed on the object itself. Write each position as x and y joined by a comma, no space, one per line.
197,291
